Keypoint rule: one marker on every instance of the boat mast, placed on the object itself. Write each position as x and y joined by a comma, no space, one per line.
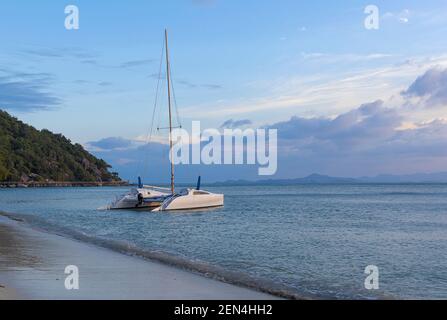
168,76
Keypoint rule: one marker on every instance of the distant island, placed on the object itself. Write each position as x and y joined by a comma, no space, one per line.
440,177
31,157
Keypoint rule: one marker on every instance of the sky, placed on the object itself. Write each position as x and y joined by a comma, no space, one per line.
346,101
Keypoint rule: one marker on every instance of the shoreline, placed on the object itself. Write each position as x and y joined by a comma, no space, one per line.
68,184
7,293
32,265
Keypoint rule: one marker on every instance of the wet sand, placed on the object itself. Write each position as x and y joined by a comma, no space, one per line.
7,293
32,266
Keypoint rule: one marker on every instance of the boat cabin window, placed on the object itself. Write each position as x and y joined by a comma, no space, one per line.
199,193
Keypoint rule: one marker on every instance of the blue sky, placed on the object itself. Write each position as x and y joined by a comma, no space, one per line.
269,62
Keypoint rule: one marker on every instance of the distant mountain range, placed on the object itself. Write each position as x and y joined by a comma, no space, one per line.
322,179
439,177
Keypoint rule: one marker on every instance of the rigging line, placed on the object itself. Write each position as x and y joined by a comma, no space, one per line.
163,98
157,91
150,131
179,122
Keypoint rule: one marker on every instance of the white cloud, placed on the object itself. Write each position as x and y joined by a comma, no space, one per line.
404,20
324,94
373,138
401,16
155,138
347,57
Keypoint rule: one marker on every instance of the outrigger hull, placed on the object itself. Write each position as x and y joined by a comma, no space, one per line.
141,198
190,199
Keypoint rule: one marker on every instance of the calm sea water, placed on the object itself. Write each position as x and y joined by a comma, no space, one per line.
310,240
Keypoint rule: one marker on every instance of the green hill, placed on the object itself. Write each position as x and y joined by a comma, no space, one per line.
27,155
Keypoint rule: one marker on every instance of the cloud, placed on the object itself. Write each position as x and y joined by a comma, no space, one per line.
59,53
124,65
92,62
26,92
191,85
135,63
373,138
233,124
111,143
81,82
364,141
105,83
401,17
370,124
186,84
157,76
151,162
42,77
346,57
82,56
431,87
404,20
211,86
321,94
46,53
125,161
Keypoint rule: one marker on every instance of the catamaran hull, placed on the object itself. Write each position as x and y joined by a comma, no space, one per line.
142,198
192,202
121,205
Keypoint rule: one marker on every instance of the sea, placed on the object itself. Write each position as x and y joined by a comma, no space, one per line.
301,241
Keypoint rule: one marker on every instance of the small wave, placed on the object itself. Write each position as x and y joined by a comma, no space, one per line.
12,217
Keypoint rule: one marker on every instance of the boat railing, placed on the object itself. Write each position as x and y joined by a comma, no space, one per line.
156,188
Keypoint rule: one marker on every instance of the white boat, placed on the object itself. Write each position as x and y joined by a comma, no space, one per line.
192,199
160,199
145,197
187,199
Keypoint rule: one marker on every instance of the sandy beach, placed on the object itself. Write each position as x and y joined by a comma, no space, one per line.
7,293
32,266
